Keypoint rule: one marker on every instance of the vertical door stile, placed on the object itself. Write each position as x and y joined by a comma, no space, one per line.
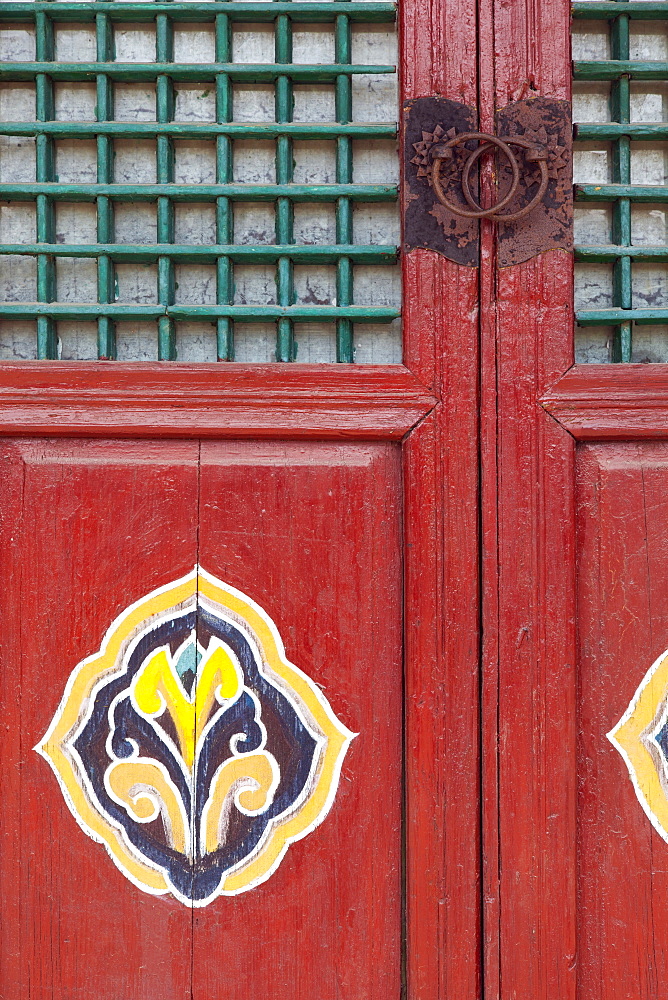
441,563
489,589
529,784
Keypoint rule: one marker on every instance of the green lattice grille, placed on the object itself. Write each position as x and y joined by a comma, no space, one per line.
621,132
44,73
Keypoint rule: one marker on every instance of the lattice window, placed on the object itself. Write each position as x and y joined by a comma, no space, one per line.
620,101
199,180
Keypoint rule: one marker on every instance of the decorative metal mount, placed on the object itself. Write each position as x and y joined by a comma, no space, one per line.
534,202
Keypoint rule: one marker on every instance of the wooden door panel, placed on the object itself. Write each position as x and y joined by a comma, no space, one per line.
623,628
87,527
311,532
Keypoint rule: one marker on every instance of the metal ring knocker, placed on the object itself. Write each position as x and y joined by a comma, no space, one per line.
534,154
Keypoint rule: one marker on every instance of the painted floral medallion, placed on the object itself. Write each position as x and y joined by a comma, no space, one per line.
191,748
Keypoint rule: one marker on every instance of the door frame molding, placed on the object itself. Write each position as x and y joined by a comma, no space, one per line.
141,400
611,402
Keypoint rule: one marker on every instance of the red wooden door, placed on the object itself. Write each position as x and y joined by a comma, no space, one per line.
306,509
463,553
240,641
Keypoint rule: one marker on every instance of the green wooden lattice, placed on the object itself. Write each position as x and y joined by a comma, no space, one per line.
165,193
621,194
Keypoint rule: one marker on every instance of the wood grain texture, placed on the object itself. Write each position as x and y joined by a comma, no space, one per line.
438,49
312,532
623,627
442,736
528,548
142,400
440,315
608,402
536,650
86,527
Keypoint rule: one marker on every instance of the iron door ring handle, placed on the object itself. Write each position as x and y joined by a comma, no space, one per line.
443,154
535,154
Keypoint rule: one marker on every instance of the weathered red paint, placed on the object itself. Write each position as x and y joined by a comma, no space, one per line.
330,922
623,627
97,399
443,931
313,535
513,884
86,527
312,531
528,715
601,402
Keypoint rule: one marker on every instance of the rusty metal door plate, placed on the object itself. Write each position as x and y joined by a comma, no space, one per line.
442,151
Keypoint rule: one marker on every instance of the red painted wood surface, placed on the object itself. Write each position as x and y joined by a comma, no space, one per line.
440,315
139,400
529,691
85,529
602,402
312,533
623,627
